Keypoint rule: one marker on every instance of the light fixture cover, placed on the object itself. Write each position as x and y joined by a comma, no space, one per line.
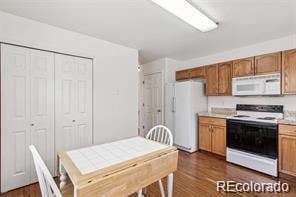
188,13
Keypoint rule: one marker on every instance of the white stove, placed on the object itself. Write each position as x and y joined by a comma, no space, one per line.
257,116
252,137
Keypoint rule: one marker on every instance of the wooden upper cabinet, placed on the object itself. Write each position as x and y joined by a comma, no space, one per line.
212,80
182,75
198,72
268,63
225,78
289,72
243,67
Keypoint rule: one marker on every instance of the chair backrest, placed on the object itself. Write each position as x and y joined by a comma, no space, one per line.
160,134
47,185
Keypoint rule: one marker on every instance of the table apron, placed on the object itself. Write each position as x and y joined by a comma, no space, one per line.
130,180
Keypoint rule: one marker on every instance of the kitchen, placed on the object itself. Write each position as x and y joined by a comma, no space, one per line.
242,109
245,133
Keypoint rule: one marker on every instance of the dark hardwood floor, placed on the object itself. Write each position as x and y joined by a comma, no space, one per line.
196,176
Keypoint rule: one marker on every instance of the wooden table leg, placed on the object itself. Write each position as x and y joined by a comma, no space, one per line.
63,176
170,185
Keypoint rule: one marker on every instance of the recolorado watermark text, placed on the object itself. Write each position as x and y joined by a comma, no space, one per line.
253,187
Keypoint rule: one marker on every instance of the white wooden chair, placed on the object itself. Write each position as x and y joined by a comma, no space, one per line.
47,184
163,135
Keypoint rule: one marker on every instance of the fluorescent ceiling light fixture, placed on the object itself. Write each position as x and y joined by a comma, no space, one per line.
188,13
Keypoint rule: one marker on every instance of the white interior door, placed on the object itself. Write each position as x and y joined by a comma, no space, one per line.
26,113
15,117
41,107
73,92
153,97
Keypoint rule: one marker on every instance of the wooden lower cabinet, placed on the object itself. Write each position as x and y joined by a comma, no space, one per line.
287,149
205,137
219,140
212,135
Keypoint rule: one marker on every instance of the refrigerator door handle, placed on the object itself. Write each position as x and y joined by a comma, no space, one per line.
174,104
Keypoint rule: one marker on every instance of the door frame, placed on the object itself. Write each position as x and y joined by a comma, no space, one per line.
141,100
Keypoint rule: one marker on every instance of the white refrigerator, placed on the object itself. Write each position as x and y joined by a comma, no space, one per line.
183,102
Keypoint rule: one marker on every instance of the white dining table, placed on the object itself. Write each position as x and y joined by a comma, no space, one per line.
119,168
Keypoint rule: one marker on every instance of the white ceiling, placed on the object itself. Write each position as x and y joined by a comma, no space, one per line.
143,25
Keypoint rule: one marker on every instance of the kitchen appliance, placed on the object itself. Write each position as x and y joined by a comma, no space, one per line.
257,85
252,137
185,100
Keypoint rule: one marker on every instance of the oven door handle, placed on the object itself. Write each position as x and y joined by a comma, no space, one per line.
258,124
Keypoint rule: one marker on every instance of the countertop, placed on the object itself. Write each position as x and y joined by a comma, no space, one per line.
225,115
214,114
287,121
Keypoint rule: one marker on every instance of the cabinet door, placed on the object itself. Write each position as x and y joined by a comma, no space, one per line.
15,117
289,72
219,140
205,136
182,75
212,80
41,107
73,96
243,67
225,79
287,159
84,101
268,63
198,72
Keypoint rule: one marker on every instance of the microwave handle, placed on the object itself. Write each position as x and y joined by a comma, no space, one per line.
272,80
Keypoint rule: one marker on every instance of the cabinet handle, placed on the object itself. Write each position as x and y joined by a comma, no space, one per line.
32,124
73,120
211,128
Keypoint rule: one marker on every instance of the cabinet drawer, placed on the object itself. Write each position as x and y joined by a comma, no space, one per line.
287,130
212,121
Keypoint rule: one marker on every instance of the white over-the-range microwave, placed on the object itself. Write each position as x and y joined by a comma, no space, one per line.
257,85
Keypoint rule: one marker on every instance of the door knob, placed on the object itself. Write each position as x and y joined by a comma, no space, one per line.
159,110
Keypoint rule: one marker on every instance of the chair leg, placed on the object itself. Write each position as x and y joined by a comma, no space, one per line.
140,193
161,188
170,185
145,191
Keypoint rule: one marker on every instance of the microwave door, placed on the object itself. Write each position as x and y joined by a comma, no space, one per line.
248,88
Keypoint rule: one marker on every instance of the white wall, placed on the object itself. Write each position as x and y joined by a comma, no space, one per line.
115,71
280,44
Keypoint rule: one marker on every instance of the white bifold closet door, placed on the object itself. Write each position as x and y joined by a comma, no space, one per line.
27,113
73,102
